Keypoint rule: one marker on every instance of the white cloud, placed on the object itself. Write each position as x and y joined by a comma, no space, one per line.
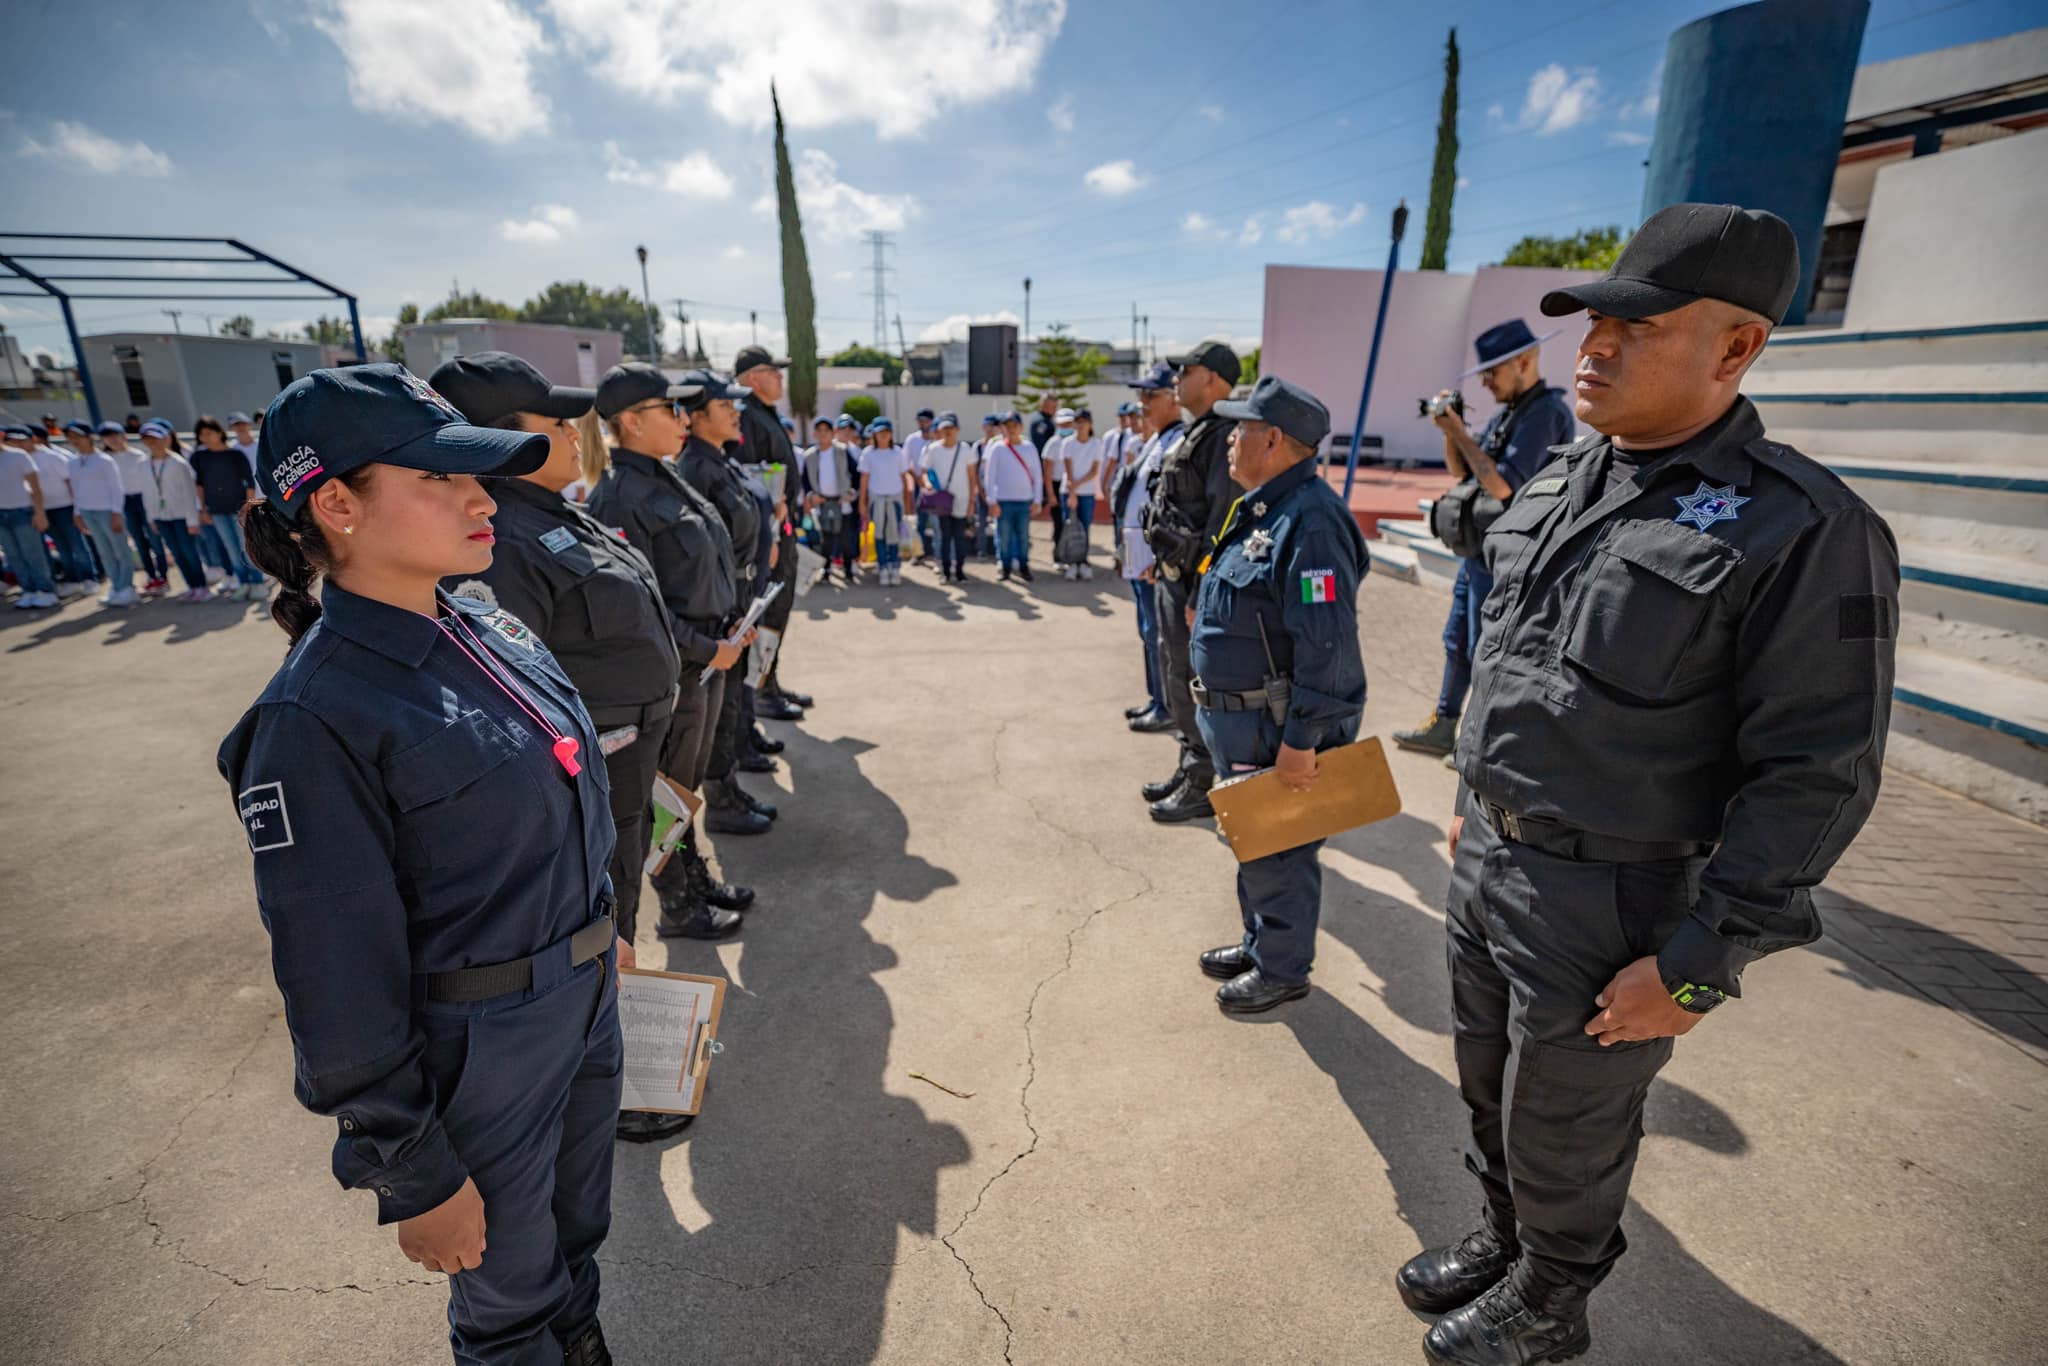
843,276
465,62
1061,115
1211,112
823,55
1645,107
1622,137
548,224
1114,178
953,327
694,174
1197,223
735,252
1315,220
834,209
1254,229
723,337
1556,100
1464,182
74,144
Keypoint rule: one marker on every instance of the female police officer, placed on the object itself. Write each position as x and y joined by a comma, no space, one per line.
685,541
430,839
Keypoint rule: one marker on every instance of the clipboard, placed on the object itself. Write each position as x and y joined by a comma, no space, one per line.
674,807
1261,816
669,1024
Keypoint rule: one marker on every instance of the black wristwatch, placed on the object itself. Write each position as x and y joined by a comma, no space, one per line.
1693,997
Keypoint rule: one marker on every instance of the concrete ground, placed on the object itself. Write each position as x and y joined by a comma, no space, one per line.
1838,1168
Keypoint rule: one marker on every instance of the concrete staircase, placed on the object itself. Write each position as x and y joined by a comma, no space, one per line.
1945,432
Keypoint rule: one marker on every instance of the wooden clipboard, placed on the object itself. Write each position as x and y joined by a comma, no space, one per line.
1261,816
669,1025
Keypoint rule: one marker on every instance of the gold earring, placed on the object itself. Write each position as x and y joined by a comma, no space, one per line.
348,531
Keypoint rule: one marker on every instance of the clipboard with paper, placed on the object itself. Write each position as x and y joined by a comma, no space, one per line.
747,622
669,1024
1261,816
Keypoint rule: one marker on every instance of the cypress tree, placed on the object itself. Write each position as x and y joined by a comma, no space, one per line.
1443,180
799,309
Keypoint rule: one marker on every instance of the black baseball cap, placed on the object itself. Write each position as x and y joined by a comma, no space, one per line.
1277,403
330,422
751,356
1215,357
489,385
1688,252
1160,376
625,385
705,385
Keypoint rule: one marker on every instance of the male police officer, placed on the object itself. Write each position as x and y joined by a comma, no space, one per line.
1277,669
1514,445
1189,500
766,442
1677,724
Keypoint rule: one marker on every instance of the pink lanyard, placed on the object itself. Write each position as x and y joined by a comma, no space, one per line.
565,746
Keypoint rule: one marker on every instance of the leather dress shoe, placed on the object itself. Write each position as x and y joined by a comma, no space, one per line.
694,919
1188,803
801,699
1506,1327
1151,723
766,744
1226,962
752,761
644,1126
726,896
1252,991
777,707
1161,790
1447,1278
586,1348
1133,713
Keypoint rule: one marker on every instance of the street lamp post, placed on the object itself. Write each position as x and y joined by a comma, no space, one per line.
1372,358
1027,308
647,308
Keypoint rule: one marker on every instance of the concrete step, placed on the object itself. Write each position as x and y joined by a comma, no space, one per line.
1975,694
1973,729
1979,508
1998,356
1391,558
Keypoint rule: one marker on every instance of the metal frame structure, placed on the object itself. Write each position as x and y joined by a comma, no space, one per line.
50,285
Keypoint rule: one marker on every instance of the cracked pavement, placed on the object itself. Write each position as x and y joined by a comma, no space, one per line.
963,884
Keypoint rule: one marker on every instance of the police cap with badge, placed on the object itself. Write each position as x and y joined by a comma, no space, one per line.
490,386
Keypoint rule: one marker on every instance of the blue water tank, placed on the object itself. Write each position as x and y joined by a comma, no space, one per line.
1751,113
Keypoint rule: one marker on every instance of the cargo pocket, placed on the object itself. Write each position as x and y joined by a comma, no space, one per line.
1575,1115
1640,606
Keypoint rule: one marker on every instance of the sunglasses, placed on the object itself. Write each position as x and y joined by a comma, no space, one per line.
674,405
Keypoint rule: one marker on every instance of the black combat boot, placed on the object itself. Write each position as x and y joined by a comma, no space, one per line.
586,1348
685,915
1513,1326
1188,803
726,896
1161,790
726,811
1447,1278
777,707
764,743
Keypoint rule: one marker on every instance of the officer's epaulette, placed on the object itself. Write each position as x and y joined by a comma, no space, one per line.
1821,485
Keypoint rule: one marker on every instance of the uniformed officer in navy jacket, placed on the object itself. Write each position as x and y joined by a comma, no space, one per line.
431,828
1277,670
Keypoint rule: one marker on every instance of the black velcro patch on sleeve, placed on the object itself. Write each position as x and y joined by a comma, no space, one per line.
1865,616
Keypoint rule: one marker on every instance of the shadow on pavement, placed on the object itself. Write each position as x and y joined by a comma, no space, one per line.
802,1167
183,621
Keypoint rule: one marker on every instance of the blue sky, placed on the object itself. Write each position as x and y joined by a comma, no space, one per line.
1114,152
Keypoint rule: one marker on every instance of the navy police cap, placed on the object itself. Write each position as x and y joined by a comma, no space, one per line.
1277,403
488,386
330,422
1160,376
705,385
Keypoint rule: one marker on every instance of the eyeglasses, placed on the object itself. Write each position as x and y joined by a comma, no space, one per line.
674,405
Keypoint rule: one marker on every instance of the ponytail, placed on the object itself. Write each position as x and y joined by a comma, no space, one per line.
592,454
293,553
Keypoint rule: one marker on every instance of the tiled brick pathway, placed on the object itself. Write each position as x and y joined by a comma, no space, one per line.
1949,899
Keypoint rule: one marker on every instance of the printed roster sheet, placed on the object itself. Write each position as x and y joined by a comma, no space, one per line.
669,1021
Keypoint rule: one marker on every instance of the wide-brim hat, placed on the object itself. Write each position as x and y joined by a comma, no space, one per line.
1505,342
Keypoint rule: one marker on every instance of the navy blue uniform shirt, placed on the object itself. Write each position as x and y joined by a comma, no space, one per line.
1520,435
1290,558
407,817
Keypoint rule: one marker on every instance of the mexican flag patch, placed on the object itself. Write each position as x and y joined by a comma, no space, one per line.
1319,585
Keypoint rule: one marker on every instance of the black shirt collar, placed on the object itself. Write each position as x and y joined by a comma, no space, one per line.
526,493
394,632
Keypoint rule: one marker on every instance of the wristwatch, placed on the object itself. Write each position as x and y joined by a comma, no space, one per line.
1693,997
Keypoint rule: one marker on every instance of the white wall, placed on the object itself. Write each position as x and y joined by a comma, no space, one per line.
1318,328
1956,239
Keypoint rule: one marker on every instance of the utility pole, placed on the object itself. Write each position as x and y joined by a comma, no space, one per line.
1027,308
880,292
647,306
1372,357
174,314
208,319
754,326
1134,324
1150,353
682,325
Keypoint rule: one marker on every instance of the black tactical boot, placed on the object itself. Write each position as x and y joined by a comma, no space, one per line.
727,813
645,1126
777,707
587,1347
1188,803
1161,790
1436,735
684,915
1510,1326
1447,1278
743,798
764,743
726,896
752,760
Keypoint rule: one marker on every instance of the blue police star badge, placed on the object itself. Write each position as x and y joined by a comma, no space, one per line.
1258,545
1705,506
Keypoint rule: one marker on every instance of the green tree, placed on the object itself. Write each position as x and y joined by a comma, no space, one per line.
1443,179
856,354
329,331
861,408
1060,369
470,305
1249,363
572,303
241,325
700,357
1586,249
799,308
394,345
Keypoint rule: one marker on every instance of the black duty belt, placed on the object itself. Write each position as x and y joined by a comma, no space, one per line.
1566,841
502,979
1215,699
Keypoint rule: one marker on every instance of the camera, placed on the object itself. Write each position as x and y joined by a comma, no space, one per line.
1453,402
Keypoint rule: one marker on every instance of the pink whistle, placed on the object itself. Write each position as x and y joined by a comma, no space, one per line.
565,754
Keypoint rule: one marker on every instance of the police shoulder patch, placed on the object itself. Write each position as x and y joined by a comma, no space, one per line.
478,589
559,540
1318,585
510,627
1537,488
265,819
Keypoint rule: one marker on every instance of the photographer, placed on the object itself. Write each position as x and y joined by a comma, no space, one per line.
1516,443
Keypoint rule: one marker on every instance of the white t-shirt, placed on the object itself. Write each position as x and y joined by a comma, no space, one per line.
1055,455
1008,477
884,467
134,467
15,467
173,491
55,468
1083,460
913,449
951,466
95,483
